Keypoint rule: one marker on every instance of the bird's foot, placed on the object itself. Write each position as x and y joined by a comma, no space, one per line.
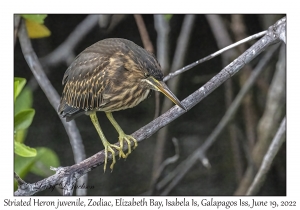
127,138
109,148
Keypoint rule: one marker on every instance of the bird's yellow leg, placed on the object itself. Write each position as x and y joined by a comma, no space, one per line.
106,144
122,136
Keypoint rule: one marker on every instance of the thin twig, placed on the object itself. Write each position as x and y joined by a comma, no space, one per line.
51,94
149,47
277,141
77,170
19,179
162,45
17,21
162,28
167,162
144,33
188,67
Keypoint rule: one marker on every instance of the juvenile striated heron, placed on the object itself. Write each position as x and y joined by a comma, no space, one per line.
111,75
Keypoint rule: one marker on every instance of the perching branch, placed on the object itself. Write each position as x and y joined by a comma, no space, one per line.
77,170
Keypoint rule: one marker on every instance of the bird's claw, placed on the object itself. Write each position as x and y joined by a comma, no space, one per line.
127,138
109,148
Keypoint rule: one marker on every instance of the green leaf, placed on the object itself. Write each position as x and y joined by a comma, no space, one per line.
22,165
23,150
168,17
47,158
20,135
24,100
23,119
35,18
36,30
18,85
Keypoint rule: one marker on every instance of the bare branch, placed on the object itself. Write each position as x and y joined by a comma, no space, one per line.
202,60
144,33
105,20
162,44
51,94
77,170
62,52
19,179
162,51
17,21
277,141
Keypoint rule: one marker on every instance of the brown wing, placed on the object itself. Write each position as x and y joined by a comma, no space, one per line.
88,76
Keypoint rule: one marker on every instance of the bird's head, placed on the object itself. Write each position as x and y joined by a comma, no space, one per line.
146,69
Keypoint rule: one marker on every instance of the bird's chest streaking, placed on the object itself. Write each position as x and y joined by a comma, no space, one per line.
122,94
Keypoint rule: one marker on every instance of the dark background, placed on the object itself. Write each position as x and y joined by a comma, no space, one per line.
133,176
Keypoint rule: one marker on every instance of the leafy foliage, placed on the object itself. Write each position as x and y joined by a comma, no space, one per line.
35,26
39,160
35,18
22,121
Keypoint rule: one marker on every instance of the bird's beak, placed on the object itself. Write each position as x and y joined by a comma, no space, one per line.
162,87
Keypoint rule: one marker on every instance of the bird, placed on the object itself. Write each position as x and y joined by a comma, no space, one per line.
111,75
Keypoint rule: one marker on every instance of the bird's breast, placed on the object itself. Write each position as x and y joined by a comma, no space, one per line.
124,99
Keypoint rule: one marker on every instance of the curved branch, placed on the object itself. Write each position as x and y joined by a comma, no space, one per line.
79,169
51,93
63,51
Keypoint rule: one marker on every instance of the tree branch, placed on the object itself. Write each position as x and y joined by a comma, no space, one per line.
79,169
144,33
207,58
277,141
51,94
63,51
